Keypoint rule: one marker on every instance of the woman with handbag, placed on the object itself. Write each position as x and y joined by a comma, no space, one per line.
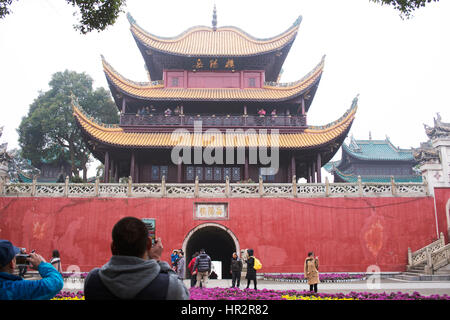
251,272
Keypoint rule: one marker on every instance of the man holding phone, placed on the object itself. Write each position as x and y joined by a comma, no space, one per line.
13,287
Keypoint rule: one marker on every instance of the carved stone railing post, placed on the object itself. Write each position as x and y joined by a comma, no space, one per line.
261,187
360,188
97,187
227,187
2,183
196,188
441,237
327,187
163,186
393,190
294,186
66,186
130,186
429,263
425,184
33,187
410,261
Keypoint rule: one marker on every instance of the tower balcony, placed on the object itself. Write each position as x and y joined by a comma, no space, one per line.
228,120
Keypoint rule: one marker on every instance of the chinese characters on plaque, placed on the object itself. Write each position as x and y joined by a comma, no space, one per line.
200,64
211,211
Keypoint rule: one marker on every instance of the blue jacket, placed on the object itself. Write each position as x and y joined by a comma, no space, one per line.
13,287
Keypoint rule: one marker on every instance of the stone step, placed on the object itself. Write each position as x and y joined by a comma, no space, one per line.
407,277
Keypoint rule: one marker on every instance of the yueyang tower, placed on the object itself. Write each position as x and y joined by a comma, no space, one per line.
207,82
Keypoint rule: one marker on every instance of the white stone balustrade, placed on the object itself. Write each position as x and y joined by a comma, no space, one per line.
216,190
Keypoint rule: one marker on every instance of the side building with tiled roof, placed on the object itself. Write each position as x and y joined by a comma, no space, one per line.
374,161
213,108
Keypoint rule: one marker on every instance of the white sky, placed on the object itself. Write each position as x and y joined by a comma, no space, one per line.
400,68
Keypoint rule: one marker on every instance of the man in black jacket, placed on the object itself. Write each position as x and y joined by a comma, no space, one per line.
203,267
235,270
134,271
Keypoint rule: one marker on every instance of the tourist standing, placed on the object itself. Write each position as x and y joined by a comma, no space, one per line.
311,269
203,267
173,259
235,269
56,260
135,270
251,272
181,266
13,287
192,271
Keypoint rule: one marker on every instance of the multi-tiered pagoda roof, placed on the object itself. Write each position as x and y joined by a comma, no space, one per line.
223,77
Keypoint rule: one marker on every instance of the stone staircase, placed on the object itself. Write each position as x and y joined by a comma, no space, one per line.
430,263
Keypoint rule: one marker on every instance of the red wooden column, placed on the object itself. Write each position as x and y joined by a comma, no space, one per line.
313,172
106,167
179,171
293,172
303,110
132,165
309,178
124,105
246,167
136,173
116,172
319,167
112,171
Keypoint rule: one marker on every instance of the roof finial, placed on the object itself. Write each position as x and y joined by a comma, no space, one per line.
214,20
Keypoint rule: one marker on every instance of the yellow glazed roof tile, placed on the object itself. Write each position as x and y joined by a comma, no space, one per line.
276,92
206,41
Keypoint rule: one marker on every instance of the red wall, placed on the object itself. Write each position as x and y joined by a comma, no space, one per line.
442,196
348,234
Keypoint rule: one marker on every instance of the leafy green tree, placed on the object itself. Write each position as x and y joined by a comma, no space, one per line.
406,7
93,14
49,132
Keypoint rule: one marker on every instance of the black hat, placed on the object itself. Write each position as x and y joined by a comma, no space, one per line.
7,252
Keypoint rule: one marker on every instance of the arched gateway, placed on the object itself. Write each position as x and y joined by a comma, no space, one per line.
218,241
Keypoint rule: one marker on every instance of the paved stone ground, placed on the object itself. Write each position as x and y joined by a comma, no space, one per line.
425,288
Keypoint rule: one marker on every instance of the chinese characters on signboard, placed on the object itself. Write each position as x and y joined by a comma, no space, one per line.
204,63
211,211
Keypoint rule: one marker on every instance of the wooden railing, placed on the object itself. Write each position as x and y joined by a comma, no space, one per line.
217,190
213,120
432,257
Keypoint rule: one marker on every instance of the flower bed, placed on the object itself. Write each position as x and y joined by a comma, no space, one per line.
265,294
66,295
323,277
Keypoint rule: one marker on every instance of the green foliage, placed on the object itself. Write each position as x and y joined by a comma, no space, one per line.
97,15
405,7
50,133
93,14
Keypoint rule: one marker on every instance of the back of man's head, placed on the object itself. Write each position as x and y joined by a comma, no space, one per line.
130,237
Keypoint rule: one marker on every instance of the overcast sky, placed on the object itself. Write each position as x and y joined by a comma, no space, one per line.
400,68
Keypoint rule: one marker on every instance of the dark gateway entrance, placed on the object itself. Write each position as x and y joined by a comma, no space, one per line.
218,244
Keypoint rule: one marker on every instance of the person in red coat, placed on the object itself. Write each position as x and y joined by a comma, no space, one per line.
192,271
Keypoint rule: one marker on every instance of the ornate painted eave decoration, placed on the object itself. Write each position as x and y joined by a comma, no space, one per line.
312,137
271,91
440,129
214,41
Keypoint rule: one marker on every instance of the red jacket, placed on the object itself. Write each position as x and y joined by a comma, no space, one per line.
191,265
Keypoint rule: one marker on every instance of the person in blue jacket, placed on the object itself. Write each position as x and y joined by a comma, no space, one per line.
13,287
